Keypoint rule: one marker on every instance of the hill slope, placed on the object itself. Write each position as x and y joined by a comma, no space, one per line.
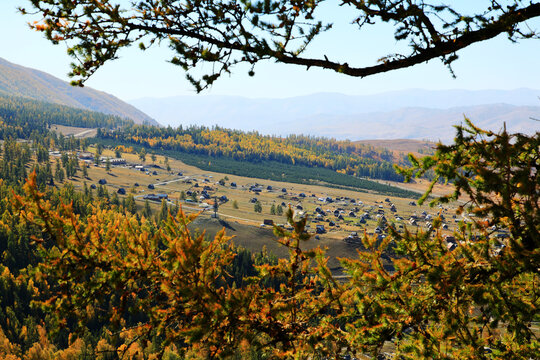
20,81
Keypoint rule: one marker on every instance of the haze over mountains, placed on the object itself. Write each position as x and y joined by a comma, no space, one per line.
16,80
411,114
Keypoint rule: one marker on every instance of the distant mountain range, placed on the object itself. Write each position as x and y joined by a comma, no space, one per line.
411,114
16,80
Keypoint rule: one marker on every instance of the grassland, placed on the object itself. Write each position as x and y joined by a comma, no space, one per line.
278,171
243,222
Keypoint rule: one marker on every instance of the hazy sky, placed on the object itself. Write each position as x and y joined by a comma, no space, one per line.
496,64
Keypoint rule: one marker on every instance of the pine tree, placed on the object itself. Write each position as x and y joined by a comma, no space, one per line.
108,165
164,212
257,207
59,172
147,211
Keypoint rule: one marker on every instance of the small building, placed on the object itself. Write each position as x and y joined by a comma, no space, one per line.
319,229
86,156
117,161
155,197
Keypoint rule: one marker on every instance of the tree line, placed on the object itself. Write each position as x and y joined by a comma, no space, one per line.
344,156
26,115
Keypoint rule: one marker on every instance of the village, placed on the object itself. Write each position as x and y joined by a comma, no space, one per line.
336,217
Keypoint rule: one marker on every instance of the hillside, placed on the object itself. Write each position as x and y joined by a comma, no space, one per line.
412,114
25,115
20,81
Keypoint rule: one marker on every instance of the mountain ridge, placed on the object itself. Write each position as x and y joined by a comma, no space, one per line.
380,116
17,80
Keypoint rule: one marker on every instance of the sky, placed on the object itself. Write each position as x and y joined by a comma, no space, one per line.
495,64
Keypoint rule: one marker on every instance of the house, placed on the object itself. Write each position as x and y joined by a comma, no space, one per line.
86,156
117,161
155,197
151,197
319,229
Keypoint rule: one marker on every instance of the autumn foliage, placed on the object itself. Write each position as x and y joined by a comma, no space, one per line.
169,287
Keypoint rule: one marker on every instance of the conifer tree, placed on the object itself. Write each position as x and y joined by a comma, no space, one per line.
59,172
147,211
257,207
164,212
108,165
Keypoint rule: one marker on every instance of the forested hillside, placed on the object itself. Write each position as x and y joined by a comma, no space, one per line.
341,156
29,83
25,115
